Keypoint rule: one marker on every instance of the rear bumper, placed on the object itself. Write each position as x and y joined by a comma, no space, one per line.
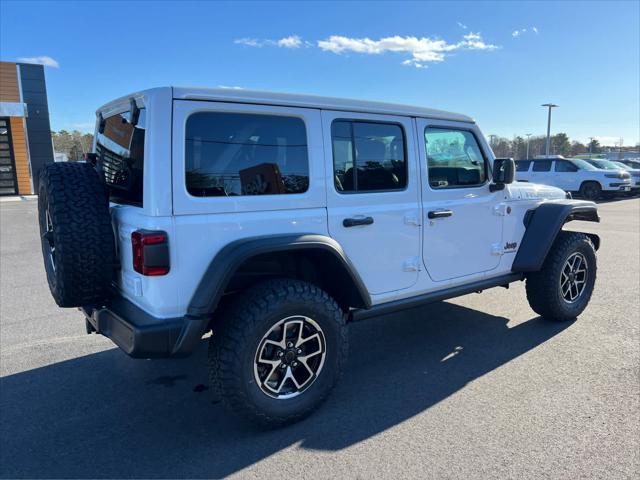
141,335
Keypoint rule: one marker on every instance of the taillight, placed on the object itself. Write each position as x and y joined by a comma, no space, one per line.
150,252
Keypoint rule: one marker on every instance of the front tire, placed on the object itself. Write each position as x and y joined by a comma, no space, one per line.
561,290
277,351
590,190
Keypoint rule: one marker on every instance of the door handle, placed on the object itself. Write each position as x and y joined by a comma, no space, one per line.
439,214
354,222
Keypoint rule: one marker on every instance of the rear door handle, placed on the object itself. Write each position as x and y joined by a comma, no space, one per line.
439,214
354,222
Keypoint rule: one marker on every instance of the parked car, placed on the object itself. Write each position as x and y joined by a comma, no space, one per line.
573,175
273,221
635,176
635,164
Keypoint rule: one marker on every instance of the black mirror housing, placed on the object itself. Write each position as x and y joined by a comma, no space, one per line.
504,171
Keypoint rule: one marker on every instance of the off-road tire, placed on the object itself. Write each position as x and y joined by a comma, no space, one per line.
543,290
237,333
590,190
80,268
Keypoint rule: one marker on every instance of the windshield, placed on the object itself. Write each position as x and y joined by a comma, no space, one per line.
582,165
622,165
604,164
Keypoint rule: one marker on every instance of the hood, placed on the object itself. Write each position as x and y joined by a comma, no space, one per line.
535,191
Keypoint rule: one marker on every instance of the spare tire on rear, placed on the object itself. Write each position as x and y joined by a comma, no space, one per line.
78,243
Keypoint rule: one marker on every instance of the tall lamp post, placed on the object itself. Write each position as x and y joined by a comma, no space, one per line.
550,106
527,135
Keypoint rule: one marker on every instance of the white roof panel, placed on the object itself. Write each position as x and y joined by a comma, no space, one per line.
312,101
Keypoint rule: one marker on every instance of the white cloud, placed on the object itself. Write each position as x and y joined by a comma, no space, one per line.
422,50
517,33
292,41
230,87
43,60
250,42
462,25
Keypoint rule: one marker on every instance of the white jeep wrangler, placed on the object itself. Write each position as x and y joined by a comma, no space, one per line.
274,220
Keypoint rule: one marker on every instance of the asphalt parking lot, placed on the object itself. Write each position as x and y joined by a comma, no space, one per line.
478,387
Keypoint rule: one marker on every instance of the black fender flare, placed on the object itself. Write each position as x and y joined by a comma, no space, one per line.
542,227
226,262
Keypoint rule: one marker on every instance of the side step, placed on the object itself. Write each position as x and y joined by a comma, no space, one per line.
412,302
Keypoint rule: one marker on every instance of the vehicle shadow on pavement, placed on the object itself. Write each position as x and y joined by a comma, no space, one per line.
105,415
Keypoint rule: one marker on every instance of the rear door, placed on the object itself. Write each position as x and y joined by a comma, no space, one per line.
372,196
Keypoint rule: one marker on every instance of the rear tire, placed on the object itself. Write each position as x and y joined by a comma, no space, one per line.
590,190
561,290
255,347
78,245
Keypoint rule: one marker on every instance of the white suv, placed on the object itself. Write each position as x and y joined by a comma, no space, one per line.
273,221
573,175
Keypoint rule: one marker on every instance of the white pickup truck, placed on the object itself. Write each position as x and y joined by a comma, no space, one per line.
573,175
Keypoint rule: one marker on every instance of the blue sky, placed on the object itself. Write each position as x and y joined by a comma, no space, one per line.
495,61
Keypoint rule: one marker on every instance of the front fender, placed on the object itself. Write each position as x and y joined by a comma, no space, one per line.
542,227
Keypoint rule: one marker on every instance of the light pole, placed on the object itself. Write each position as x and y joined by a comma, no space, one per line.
527,135
550,106
590,145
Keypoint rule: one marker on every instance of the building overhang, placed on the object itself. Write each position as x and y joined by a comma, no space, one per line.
13,109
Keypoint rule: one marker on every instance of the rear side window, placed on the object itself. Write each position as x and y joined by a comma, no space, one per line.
231,154
541,166
522,165
120,151
454,159
368,157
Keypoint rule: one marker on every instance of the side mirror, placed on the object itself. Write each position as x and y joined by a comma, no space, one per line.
504,170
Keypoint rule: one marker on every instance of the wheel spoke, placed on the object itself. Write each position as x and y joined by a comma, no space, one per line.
279,344
310,337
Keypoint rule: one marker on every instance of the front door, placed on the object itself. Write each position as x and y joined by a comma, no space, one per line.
462,217
566,174
8,181
372,196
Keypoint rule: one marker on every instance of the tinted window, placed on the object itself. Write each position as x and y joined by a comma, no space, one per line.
522,165
454,158
120,150
565,166
229,154
368,156
541,166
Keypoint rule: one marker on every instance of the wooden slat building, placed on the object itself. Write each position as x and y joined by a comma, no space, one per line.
25,134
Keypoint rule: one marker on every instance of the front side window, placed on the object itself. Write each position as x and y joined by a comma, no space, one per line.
565,166
522,165
454,158
120,152
368,156
231,154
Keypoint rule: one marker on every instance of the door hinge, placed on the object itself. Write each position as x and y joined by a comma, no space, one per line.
412,219
411,265
500,209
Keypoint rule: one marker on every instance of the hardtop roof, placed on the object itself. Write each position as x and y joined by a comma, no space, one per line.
299,100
